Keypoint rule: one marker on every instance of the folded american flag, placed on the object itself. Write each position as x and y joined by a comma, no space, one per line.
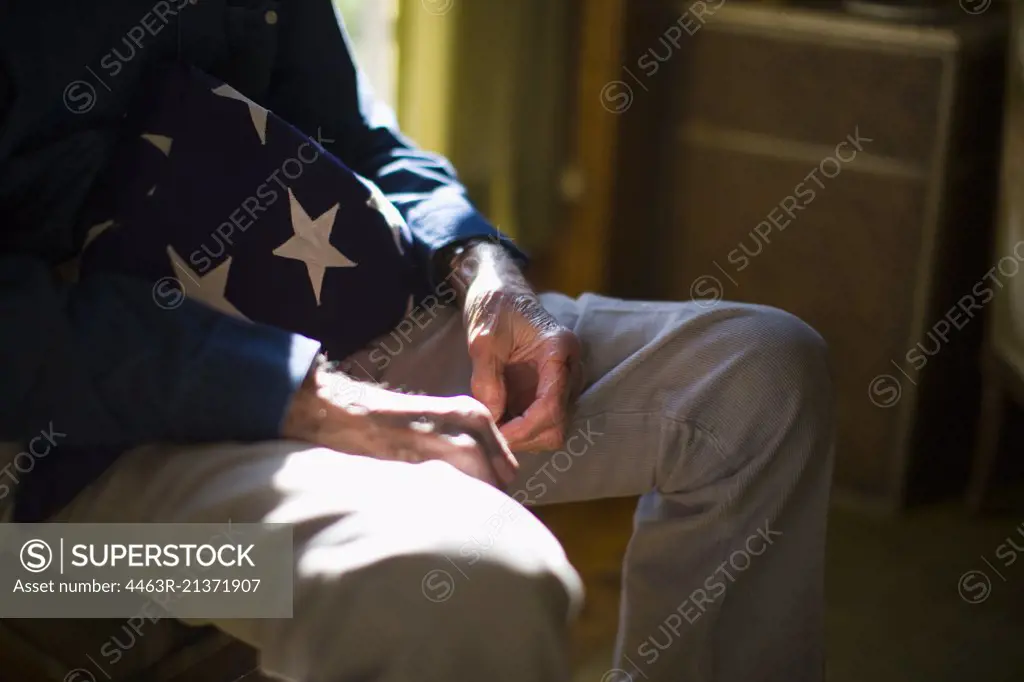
213,196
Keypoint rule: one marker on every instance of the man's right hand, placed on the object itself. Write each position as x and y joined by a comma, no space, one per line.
333,410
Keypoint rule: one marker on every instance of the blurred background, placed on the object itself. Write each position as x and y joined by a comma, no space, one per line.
859,163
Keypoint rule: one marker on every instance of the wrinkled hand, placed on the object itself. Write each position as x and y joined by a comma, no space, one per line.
526,368
336,411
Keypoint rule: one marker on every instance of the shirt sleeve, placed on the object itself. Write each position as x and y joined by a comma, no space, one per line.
318,87
114,362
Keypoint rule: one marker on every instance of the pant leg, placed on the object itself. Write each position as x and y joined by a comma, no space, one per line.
722,418
386,585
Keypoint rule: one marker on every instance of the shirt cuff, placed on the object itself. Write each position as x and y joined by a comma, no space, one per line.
243,383
446,218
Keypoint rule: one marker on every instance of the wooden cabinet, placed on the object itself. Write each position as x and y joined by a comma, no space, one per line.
840,168
1008,321
1004,352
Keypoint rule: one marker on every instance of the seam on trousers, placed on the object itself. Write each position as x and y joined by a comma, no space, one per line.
705,437
706,433
698,426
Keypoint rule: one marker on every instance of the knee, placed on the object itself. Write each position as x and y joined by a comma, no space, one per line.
782,376
751,356
764,388
489,554
789,355
781,382
459,578
490,620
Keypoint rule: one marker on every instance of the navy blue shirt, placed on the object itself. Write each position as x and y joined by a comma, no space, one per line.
98,360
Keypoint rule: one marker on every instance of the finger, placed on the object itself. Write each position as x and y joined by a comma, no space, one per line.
423,436
549,438
481,427
546,441
463,453
488,380
505,463
548,408
577,381
542,417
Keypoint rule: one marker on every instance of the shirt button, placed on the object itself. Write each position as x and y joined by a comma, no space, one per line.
270,17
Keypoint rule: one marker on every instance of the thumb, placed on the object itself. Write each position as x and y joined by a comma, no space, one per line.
488,383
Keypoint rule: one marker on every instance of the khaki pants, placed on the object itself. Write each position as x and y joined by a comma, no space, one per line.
721,417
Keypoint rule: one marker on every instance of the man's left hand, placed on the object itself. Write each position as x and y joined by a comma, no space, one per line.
526,366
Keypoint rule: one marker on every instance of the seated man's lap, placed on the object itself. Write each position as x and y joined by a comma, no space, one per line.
414,532
430,530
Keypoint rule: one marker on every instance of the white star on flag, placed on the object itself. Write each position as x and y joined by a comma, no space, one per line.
380,203
96,231
161,142
312,244
208,288
257,113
